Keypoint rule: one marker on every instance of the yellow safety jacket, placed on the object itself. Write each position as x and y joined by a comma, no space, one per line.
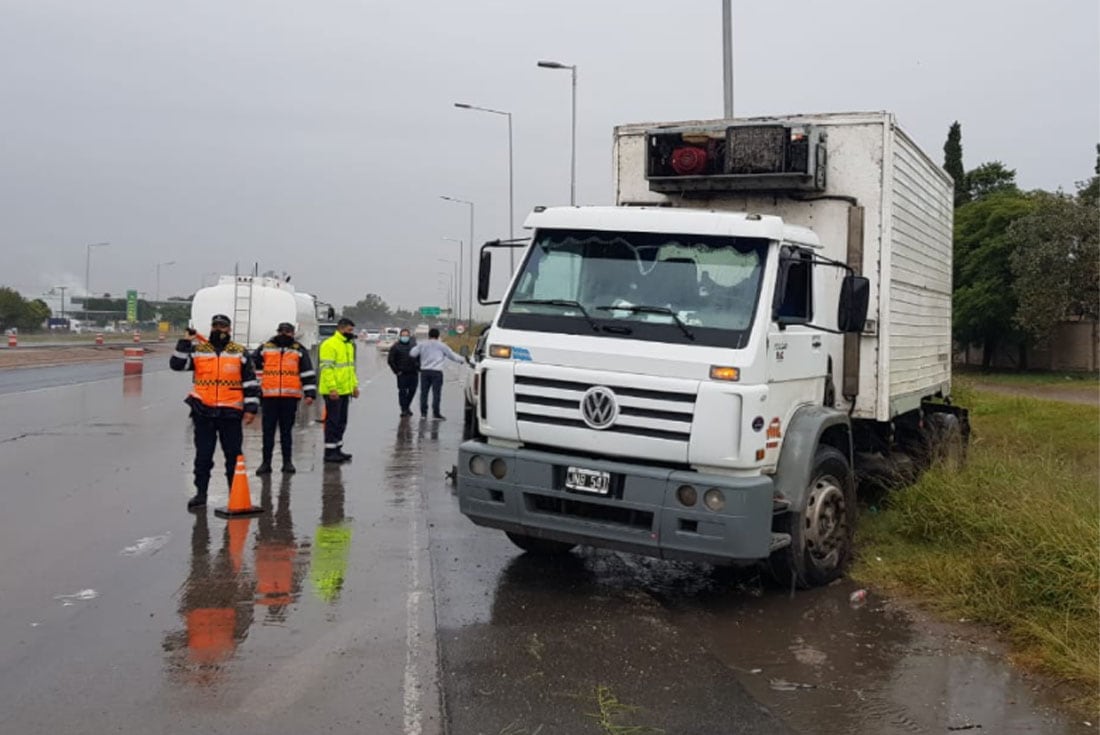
337,363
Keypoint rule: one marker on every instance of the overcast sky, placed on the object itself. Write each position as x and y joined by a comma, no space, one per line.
315,137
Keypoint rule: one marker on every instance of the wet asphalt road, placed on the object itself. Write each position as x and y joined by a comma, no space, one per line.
362,602
19,380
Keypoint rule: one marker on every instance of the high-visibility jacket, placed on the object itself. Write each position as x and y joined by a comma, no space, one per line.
337,362
223,381
285,370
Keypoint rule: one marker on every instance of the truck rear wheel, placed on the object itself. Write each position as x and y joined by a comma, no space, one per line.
821,530
539,546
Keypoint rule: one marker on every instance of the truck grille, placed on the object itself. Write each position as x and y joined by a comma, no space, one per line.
657,414
595,512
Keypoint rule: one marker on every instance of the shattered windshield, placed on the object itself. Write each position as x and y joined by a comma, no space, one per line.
645,285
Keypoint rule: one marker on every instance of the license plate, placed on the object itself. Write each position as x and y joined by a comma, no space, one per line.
587,481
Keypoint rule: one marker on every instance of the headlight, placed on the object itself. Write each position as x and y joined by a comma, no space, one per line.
714,499
687,495
479,465
499,468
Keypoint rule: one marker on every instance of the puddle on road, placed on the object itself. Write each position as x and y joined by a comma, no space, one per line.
147,545
81,596
825,666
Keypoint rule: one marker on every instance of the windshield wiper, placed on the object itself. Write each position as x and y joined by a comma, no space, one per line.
562,302
642,309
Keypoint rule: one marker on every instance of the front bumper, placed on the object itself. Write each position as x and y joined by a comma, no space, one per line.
641,514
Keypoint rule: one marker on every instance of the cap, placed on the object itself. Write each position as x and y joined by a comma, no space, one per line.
219,319
285,327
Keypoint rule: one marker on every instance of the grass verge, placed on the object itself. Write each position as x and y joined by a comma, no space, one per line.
1011,540
1025,378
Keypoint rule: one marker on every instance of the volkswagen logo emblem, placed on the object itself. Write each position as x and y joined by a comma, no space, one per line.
599,409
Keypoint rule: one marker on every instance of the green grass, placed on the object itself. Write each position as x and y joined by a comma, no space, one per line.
1037,378
1012,540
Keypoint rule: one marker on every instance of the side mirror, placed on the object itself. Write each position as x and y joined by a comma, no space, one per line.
851,312
484,272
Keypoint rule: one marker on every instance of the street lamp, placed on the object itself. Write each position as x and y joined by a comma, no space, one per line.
470,294
511,178
156,297
573,155
453,278
88,268
458,293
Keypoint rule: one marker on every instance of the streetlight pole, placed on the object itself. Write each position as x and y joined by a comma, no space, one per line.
573,146
470,291
727,58
511,177
166,263
454,279
458,293
88,267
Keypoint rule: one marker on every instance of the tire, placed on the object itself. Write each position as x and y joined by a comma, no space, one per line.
822,529
539,546
948,443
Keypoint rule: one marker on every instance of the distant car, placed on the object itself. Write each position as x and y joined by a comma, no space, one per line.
372,335
422,331
386,341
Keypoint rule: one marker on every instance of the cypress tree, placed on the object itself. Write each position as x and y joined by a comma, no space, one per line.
953,161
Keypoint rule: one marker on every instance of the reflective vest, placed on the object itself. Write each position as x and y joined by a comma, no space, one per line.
337,362
282,371
218,376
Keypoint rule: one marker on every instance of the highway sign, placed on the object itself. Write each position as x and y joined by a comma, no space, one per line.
429,311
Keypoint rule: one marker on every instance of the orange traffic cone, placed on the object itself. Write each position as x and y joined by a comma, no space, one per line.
240,500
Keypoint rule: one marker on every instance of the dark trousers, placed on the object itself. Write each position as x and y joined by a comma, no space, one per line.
208,430
406,390
278,412
336,420
430,380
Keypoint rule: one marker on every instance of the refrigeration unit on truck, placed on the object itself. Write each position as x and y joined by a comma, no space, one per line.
701,371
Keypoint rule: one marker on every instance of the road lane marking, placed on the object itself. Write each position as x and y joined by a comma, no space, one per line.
412,685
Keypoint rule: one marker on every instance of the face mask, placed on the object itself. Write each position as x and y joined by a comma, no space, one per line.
283,340
405,339
349,337
219,339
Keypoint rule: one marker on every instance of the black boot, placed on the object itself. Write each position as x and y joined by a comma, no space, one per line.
344,455
288,467
264,468
333,456
198,500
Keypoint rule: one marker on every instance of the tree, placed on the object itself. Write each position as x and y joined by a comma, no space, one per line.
1088,192
953,161
990,178
371,310
23,314
1056,262
984,300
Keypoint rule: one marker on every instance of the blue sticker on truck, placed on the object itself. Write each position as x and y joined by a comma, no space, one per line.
521,353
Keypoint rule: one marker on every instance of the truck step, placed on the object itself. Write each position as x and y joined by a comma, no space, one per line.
780,505
779,541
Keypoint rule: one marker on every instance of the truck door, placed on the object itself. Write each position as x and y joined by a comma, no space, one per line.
796,352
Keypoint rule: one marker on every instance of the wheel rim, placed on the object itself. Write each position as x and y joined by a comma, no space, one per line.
825,523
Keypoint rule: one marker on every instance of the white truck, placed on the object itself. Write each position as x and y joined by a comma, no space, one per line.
256,305
701,371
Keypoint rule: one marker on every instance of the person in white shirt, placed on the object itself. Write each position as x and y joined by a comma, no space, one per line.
432,354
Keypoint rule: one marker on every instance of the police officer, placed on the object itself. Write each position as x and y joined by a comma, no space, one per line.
287,375
338,384
225,391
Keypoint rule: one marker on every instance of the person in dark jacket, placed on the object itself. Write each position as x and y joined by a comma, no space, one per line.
407,370
225,393
287,376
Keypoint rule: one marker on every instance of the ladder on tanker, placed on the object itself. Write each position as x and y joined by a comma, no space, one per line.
242,306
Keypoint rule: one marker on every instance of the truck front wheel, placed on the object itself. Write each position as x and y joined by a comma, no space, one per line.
539,546
821,530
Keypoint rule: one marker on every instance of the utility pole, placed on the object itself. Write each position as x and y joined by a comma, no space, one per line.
727,57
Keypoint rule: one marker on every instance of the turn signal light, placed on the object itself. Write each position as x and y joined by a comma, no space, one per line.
721,372
502,351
